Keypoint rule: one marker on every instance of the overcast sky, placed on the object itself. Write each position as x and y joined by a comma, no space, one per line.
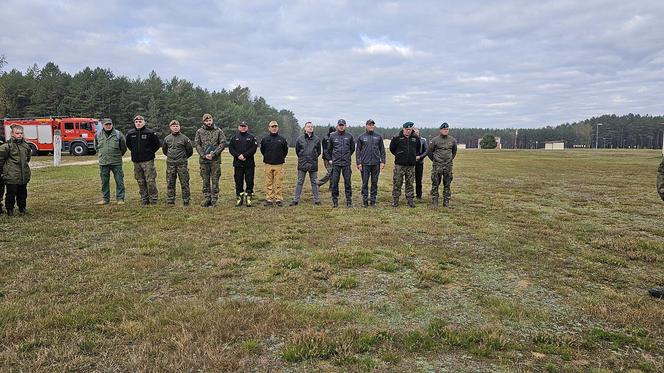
471,63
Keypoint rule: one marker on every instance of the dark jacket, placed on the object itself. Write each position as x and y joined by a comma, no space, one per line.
307,149
405,149
274,148
340,148
143,144
15,155
324,143
110,147
246,144
422,152
177,148
370,149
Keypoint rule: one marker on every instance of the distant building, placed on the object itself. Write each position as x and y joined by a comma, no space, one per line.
554,145
461,146
498,144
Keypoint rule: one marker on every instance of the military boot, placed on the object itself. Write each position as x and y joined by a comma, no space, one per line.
240,200
411,203
10,212
434,202
213,201
248,200
446,203
395,202
206,202
335,203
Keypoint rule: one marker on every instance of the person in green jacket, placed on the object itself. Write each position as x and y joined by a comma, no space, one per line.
15,155
177,148
111,145
2,181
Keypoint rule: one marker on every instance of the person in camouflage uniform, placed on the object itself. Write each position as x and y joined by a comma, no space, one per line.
15,155
405,146
177,149
442,150
660,180
2,181
210,142
143,144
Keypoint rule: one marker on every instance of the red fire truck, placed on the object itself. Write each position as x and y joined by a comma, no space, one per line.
78,134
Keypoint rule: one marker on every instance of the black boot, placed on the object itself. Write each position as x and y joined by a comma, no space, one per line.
365,204
411,203
10,212
434,202
335,203
395,202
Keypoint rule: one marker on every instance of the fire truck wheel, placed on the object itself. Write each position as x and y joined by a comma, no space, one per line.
79,149
33,150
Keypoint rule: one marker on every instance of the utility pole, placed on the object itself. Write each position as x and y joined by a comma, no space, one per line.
597,136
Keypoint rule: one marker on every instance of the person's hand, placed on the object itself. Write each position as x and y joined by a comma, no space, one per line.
208,157
382,165
359,167
241,157
417,157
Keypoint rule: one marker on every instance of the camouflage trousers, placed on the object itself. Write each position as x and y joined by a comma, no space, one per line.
401,173
210,173
146,176
444,174
181,171
660,180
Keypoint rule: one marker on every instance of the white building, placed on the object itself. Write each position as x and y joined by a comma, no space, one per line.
554,145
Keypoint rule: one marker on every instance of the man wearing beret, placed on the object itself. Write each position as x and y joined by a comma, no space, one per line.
405,146
340,148
143,144
442,150
370,159
177,149
210,142
110,146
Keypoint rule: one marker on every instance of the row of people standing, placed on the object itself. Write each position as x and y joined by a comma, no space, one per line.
337,149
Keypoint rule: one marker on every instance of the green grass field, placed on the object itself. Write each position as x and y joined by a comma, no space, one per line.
543,265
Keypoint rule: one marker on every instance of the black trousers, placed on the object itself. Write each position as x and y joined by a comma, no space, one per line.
2,191
419,171
16,194
334,182
244,175
370,172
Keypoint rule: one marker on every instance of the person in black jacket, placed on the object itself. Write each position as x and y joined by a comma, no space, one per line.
405,147
143,144
326,160
242,147
340,149
307,148
274,148
370,159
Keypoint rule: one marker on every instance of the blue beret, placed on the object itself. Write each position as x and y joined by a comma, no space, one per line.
408,125
444,125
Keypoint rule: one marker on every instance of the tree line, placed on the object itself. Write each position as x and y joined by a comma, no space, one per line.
98,93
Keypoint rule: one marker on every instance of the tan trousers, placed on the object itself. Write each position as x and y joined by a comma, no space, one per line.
274,175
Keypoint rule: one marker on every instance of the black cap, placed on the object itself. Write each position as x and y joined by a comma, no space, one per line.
243,124
444,125
408,125
341,121
331,129
370,121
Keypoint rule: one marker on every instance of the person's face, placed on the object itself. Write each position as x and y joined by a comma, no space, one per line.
274,128
309,128
444,131
341,127
17,134
371,127
243,128
407,132
108,126
175,128
209,122
139,123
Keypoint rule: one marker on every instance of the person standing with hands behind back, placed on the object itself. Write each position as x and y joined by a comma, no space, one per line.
274,148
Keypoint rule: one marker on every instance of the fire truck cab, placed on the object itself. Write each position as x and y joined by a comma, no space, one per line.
77,134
